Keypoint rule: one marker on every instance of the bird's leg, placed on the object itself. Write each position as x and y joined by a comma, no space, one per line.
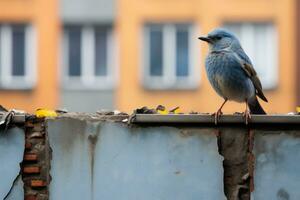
247,114
219,112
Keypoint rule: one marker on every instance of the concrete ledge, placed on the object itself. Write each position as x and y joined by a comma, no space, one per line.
208,119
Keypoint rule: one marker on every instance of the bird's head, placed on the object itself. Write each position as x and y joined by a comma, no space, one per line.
219,39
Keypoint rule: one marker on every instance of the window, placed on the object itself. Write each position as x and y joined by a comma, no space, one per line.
169,60
17,56
259,41
88,57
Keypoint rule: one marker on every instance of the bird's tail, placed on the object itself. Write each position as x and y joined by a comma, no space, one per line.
255,107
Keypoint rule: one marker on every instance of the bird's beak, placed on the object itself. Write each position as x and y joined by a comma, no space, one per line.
206,39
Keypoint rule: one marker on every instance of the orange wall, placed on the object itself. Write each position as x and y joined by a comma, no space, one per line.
43,15
206,14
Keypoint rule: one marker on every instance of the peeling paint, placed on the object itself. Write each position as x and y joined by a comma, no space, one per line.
233,145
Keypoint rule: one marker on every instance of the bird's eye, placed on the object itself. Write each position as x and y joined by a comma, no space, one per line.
218,38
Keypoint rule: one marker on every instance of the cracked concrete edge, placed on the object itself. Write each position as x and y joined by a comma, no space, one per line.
7,196
36,184
235,149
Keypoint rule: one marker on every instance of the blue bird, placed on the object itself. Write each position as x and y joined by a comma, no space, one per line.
231,73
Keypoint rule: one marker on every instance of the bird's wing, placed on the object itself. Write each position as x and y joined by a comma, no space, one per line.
250,71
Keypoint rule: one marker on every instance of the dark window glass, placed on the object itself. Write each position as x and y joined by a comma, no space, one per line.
156,51
101,52
182,52
18,50
74,56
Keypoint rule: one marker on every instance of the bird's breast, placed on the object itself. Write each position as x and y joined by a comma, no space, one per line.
227,77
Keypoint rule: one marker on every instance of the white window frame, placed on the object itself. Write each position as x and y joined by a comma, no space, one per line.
169,79
247,37
88,80
7,80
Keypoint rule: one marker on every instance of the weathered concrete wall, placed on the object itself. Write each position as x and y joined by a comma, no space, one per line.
277,168
97,160
101,157
11,155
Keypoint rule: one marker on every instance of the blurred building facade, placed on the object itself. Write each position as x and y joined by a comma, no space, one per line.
29,32
88,54
84,55
266,29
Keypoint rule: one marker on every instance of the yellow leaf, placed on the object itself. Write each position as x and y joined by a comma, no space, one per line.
298,109
177,111
41,112
162,112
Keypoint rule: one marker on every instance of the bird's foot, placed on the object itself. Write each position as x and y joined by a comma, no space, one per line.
247,116
217,115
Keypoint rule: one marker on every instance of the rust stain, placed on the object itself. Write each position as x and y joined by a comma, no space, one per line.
251,159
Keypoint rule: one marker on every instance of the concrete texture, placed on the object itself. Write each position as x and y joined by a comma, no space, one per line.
17,192
11,155
277,169
97,160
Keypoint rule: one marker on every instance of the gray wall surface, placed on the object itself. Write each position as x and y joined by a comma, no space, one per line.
87,101
87,10
277,169
105,160
17,192
12,144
